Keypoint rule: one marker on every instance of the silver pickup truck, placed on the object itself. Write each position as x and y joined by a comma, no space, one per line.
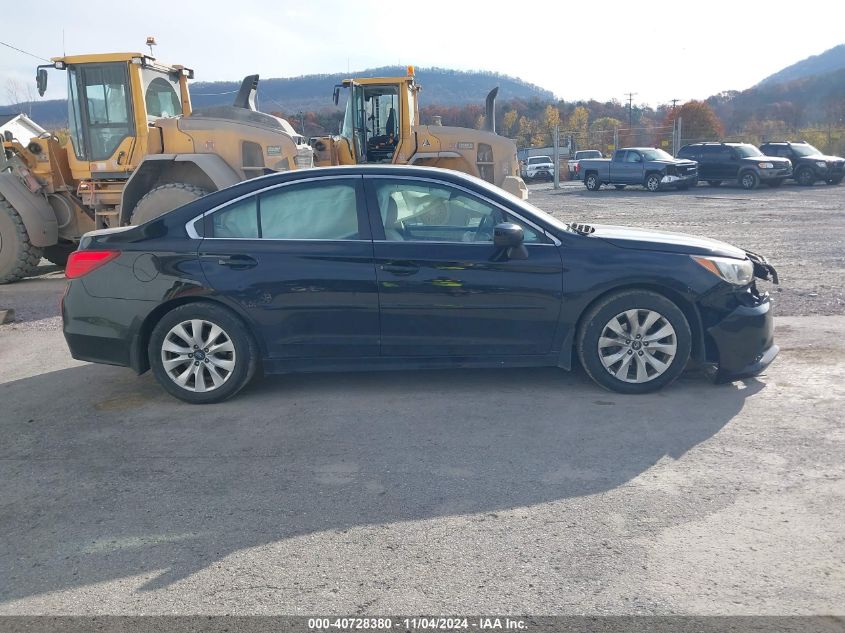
652,168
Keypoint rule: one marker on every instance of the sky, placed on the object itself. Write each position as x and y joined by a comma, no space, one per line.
578,50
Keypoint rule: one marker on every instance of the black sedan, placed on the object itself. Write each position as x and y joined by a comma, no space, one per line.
383,267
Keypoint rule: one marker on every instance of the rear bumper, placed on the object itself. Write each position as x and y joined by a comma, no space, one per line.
102,330
745,341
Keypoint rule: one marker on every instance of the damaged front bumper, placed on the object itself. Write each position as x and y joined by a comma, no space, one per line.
744,337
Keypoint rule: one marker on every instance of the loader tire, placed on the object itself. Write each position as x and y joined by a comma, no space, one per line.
18,257
58,254
164,198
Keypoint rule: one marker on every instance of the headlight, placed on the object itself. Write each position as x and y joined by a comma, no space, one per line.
821,164
735,271
765,165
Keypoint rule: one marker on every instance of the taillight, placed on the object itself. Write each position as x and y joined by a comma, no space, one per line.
80,263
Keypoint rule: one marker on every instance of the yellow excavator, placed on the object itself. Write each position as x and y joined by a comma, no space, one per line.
136,150
381,124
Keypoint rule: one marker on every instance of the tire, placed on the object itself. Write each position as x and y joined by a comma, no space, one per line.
18,257
805,177
714,183
652,182
656,369
835,181
619,187
748,180
164,198
235,363
592,182
58,253
774,184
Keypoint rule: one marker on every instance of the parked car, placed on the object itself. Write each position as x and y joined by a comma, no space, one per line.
384,267
652,168
538,168
579,156
808,164
744,163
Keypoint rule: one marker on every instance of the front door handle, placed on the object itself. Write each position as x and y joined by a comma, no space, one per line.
400,268
233,261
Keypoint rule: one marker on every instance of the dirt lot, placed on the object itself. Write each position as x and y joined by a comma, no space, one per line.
800,230
516,492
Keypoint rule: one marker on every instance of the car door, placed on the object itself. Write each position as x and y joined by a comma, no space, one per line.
444,289
297,258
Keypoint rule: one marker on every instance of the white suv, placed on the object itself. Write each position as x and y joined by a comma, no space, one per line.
536,167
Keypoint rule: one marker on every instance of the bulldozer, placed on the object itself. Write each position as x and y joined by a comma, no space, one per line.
136,149
381,124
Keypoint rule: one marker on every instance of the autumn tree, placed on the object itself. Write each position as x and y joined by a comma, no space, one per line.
578,123
509,121
698,121
551,119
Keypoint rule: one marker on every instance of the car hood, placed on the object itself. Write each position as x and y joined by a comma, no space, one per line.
653,240
828,159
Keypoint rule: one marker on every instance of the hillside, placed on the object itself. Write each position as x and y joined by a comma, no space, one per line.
809,100
829,61
313,92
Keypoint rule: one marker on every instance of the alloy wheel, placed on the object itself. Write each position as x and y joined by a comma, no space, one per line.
198,355
637,345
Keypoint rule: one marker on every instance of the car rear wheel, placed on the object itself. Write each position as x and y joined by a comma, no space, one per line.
805,177
714,183
634,341
202,353
749,180
652,182
592,182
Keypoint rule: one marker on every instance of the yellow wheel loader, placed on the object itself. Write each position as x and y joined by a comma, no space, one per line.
136,150
381,124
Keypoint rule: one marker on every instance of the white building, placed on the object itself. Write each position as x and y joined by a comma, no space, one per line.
21,127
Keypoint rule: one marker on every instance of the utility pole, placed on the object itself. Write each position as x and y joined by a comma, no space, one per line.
557,156
630,109
674,104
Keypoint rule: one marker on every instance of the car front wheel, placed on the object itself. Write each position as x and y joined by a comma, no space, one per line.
202,353
749,180
634,341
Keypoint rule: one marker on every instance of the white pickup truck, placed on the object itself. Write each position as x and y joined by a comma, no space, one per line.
572,165
537,168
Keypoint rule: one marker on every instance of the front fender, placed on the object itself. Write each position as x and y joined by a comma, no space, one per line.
36,213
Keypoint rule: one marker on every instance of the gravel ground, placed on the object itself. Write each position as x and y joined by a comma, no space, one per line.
801,230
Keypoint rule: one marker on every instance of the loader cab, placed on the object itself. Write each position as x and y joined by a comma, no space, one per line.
113,100
380,114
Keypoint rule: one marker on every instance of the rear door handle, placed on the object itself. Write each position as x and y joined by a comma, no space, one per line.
400,268
233,261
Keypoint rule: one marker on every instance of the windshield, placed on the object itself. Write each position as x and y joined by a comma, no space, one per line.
747,151
805,150
524,204
656,154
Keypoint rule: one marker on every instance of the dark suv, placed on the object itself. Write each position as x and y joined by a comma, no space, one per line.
808,163
742,162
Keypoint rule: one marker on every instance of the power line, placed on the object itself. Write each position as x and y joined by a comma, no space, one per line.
20,50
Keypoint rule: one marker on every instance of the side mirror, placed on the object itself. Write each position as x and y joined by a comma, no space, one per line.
336,94
41,81
508,238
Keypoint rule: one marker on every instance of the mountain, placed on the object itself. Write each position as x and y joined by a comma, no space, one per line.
829,61
441,86
809,100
